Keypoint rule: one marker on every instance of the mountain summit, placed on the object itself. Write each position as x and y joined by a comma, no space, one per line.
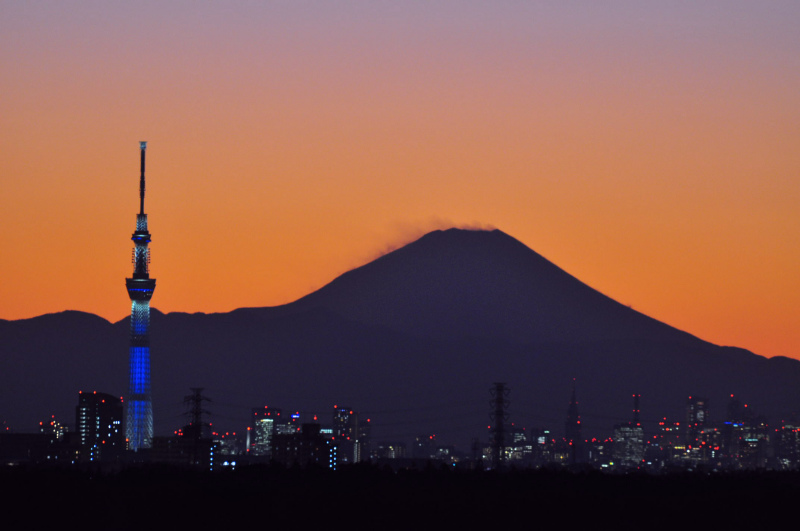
413,340
459,283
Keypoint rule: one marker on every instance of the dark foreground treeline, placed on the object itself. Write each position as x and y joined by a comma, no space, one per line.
371,497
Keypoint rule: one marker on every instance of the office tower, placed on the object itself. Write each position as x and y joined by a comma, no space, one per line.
350,435
263,428
696,418
98,418
572,429
629,440
732,429
139,419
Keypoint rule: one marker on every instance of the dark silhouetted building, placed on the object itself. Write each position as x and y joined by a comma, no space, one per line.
305,448
787,445
54,428
696,419
350,435
98,418
389,450
24,448
184,449
425,447
572,429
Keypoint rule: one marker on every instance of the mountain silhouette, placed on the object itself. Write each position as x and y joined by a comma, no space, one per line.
459,283
412,340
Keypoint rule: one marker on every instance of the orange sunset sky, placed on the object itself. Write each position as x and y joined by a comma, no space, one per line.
651,149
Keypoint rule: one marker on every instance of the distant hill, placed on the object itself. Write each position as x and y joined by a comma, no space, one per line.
414,341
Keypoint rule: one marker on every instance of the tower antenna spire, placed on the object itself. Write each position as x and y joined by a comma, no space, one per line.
142,149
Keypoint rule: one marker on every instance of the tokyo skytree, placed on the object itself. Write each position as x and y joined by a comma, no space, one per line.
139,418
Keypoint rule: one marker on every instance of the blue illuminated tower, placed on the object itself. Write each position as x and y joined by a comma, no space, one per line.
139,419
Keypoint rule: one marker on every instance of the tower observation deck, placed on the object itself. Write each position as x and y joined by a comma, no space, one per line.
139,417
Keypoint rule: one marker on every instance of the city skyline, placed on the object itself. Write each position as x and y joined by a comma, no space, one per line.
736,438
649,151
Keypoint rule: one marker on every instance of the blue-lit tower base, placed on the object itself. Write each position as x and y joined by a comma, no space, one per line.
139,418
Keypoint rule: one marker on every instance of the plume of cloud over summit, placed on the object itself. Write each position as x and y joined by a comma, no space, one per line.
402,233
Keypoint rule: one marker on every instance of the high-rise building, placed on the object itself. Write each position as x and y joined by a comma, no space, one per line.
629,440
139,419
265,422
732,429
544,446
572,429
290,424
516,443
98,418
669,443
787,445
350,435
696,419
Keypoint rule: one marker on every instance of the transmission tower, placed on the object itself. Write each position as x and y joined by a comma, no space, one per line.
499,416
196,427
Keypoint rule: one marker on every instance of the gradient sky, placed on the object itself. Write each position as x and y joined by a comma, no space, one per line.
651,149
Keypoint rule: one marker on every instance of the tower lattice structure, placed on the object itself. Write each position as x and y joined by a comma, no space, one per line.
499,417
139,418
